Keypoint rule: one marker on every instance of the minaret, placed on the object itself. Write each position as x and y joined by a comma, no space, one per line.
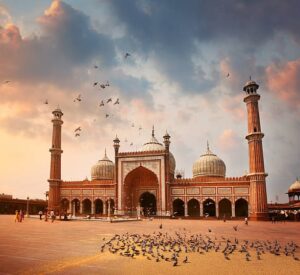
118,194
258,195
55,166
167,168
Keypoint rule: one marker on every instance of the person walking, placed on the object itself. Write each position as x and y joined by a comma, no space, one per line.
41,214
52,215
17,216
246,221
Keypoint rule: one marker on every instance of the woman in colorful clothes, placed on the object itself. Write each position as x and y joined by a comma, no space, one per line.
21,218
17,216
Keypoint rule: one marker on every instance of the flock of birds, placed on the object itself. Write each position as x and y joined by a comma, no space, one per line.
164,247
102,103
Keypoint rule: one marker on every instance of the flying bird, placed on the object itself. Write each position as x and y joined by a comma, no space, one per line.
227,75
78,98
127,55
101,104
46,101
117,102
109,100
96,67
6,81
125,140
77,135
95,84
131,143
107,115
107,84
77,129
102,86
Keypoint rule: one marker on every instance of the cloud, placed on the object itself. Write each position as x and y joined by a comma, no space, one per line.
228,140
68,40
283,80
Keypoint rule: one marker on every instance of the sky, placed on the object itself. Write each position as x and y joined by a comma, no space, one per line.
176,78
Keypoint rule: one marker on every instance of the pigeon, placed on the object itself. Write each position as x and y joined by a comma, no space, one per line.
6,81
77,129
101,104
46,101
127,55
102,86
131,143
227,75
107,84
96,67
106,115
77,135
209,230
235,228
78,98
95,84
109,100
117,102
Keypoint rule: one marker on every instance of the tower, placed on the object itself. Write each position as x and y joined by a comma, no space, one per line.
55,166
258,194
117,147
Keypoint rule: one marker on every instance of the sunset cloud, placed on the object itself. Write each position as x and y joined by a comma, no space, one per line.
284,81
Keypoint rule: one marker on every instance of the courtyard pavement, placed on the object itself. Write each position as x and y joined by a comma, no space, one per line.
73,247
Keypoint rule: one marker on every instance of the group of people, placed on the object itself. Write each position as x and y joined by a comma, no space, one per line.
48,214
19,216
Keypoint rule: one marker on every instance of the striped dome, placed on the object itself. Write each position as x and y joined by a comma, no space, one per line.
103,169
209,165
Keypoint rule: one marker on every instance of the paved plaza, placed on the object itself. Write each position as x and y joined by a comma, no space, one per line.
73,247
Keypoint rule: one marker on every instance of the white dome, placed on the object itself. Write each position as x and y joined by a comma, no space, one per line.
295,186
209,165
154,145
103,169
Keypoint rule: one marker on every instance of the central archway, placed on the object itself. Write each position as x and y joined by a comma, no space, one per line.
148,203
137,183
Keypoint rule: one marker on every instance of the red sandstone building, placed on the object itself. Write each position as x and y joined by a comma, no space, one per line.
146,179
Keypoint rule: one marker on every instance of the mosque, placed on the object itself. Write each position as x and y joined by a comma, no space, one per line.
146,181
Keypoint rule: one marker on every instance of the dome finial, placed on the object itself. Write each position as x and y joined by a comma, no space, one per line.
105,153
207,144
153,130
250,77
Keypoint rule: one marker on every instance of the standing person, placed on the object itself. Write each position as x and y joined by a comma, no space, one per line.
246,221
41,214
21,216
52,215
17,216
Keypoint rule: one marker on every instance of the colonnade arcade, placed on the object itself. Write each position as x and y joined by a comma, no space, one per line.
209,208
88,206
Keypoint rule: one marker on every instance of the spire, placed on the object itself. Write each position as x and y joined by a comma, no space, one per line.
153,131
105,153
250,77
